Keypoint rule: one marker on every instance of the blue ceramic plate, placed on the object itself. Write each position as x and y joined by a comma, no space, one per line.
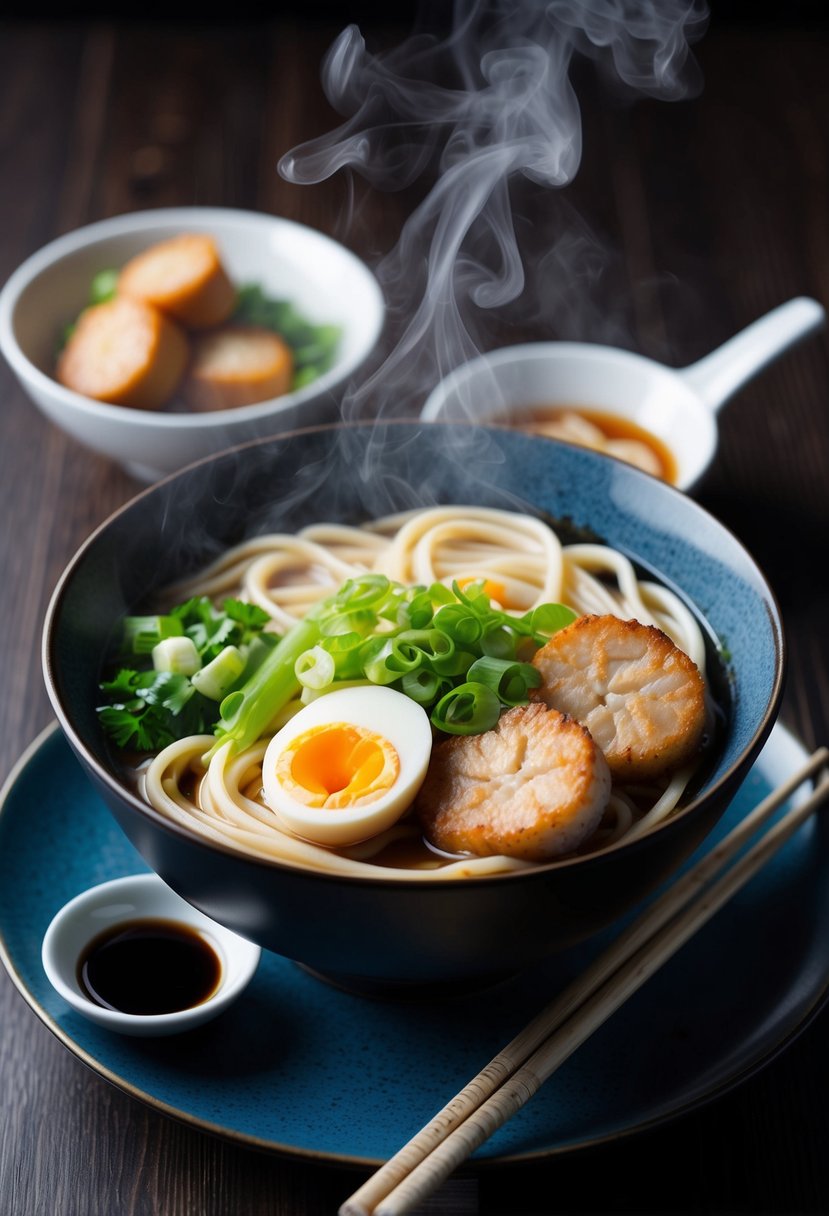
306,1069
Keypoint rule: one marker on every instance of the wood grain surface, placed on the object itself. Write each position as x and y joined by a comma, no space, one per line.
707,213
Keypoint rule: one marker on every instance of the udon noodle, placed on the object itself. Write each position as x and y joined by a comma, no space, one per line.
287,574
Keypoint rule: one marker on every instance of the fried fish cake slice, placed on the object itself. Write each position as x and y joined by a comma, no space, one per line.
124,352
639,695
184,277
534,787
237,365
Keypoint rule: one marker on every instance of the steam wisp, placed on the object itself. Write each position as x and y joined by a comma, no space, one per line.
473,110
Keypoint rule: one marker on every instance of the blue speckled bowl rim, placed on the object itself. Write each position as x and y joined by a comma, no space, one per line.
792,1017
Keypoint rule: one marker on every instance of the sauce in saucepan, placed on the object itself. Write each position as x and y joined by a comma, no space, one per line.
604,432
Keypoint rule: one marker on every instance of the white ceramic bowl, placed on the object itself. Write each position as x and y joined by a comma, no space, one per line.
679,407
325,282
139,897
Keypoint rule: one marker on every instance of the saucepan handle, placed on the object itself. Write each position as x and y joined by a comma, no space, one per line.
717,376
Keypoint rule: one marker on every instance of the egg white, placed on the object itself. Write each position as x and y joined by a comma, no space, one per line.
395,718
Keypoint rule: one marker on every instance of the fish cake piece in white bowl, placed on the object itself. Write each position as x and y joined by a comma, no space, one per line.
323,281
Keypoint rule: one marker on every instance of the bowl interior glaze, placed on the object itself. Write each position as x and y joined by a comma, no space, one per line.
389,930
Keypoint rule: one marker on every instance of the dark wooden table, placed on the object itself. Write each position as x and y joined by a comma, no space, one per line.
696,216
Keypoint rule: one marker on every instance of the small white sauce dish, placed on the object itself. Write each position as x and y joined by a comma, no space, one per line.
141,897
324,281
679,406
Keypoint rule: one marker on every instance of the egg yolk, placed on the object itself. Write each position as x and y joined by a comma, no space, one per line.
492,589
338,765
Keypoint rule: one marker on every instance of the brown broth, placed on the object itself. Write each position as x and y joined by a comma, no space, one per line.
612,426
412,853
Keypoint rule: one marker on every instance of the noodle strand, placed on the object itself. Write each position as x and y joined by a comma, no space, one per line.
523,560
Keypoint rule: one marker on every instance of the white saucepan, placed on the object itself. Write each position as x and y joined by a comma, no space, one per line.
678,406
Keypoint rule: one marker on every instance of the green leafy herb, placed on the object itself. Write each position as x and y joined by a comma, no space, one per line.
447,648
146,709
103,286
149,709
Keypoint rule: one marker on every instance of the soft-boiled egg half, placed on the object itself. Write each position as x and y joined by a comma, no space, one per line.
347,765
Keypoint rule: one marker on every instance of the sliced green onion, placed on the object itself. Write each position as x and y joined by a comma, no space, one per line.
315,668
453,665
360,621
469,709
346,651
247,711
342,643
405,655
458,623
418,612
474,595
178,655
499,642
142,633
510,681
440,594
421,640
257,650
547,619
385,661
216,678
364,591
430,643
424,686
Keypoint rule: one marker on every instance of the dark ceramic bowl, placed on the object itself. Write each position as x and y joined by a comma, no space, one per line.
379,931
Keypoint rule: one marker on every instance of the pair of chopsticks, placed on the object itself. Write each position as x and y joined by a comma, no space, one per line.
516,1073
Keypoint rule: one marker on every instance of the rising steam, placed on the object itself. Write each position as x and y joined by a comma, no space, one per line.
471,111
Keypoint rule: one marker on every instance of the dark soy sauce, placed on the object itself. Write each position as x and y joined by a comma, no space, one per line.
149,967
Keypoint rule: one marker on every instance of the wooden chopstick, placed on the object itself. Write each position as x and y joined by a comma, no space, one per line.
516,1072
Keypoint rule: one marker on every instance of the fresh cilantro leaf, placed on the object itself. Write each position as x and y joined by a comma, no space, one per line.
249,615
148,709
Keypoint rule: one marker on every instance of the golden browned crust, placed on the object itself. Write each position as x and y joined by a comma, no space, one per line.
534,787
124,352
639,695
184,277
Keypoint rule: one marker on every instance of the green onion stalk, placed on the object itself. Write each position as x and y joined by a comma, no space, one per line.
446,648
